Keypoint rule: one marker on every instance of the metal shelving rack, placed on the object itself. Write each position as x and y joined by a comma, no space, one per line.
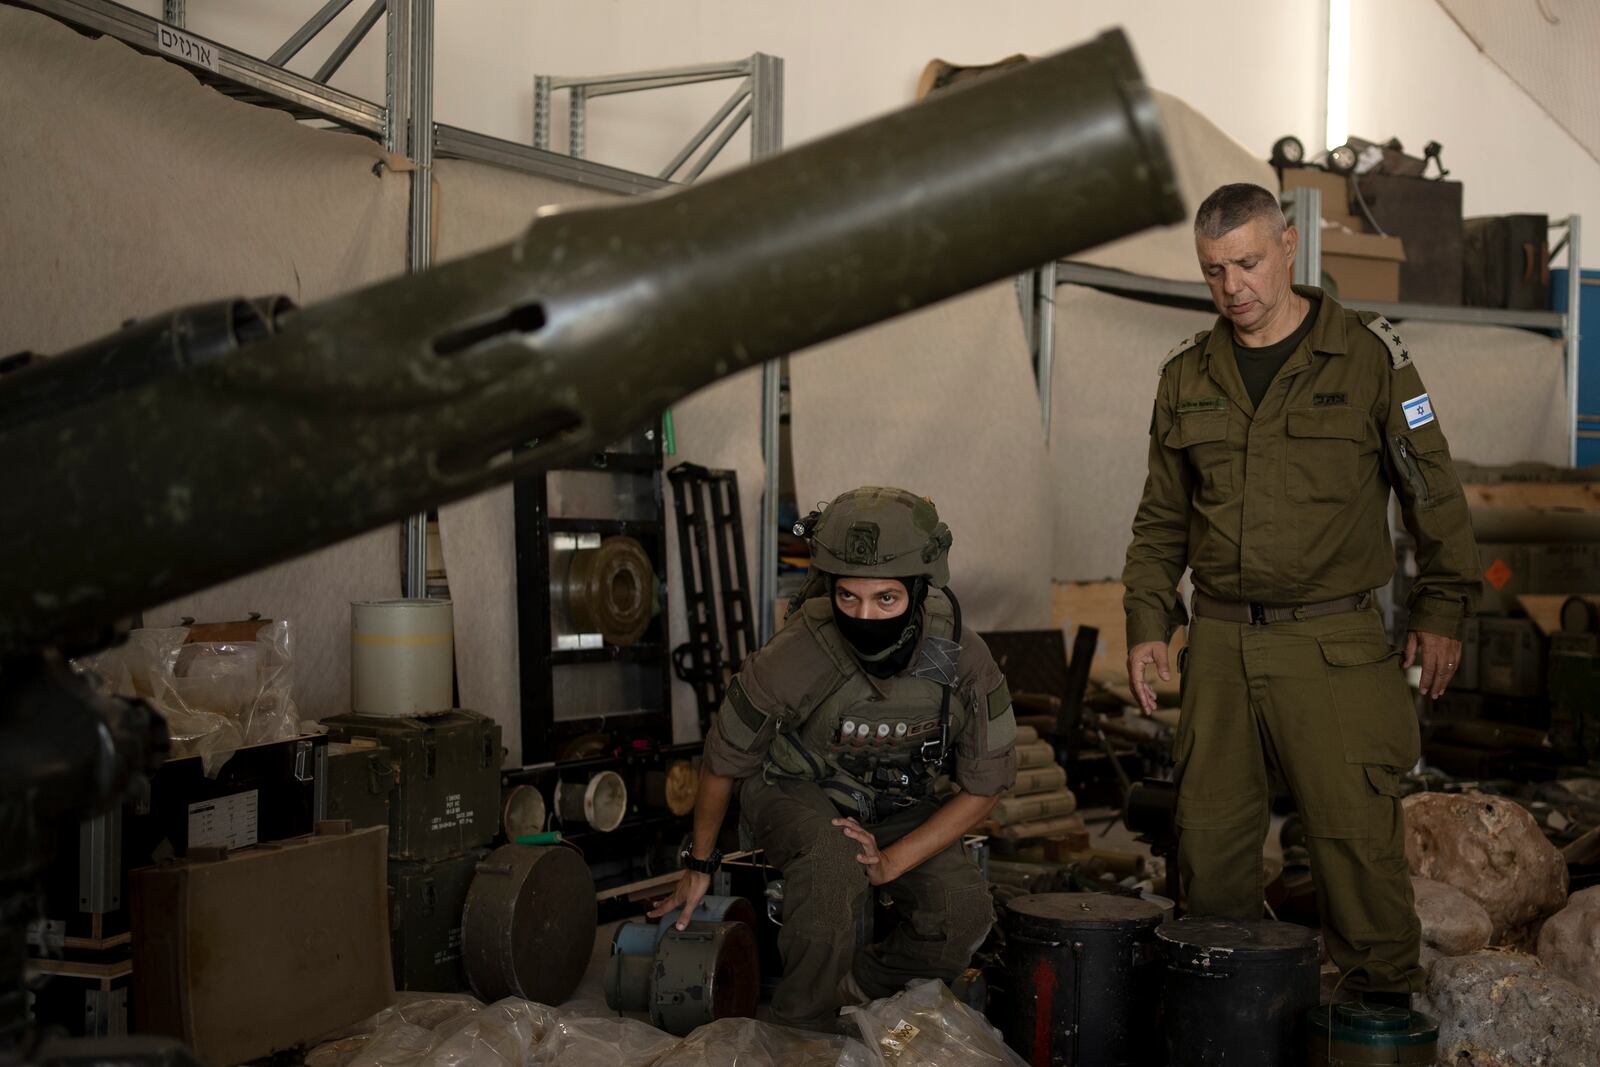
1304,208
757,99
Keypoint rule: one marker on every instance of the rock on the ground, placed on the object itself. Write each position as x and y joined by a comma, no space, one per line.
1492,850
1569,944
1504,1009
1452,922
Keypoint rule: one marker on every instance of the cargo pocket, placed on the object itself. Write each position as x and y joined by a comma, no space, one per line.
1204,436
1376,719
1324,445
1386,833
1432,457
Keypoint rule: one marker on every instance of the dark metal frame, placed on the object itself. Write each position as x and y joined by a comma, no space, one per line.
542,732
716,646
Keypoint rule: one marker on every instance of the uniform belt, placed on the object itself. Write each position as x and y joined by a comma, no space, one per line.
1251,613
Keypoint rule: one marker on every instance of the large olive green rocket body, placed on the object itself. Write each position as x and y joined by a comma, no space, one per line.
383,402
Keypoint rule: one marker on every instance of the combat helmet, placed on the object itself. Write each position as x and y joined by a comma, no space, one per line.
879,532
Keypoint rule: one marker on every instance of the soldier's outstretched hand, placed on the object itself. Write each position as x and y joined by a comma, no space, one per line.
1439,658
691,888
1140,657
878,871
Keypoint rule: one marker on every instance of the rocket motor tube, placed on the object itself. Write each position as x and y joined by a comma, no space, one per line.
413,392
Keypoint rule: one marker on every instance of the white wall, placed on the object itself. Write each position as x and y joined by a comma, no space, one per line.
1255,67
1414,75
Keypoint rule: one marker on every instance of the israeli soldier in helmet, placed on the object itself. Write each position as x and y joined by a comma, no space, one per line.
844,735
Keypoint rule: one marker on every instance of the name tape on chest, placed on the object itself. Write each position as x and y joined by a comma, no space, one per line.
1419,411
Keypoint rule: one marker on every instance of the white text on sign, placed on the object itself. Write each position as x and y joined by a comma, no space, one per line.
189,49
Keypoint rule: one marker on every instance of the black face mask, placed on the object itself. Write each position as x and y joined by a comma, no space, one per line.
884,646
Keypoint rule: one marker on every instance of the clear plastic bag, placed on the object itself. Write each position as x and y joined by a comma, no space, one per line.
926,1026
751,1043
602,1041
459,1031
214,696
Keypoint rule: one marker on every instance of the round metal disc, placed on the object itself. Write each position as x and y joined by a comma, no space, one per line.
611,589
1238,935
524,811
528,927
1085,909
736,978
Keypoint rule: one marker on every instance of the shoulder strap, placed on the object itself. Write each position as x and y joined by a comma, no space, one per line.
1183,346
1384,330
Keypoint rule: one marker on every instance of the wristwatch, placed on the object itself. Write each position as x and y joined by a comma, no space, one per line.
705,866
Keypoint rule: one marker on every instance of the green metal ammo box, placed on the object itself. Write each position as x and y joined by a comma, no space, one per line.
446,795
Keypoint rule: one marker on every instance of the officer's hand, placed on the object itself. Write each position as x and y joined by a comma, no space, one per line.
1439,658
691,887
1139,657
879,869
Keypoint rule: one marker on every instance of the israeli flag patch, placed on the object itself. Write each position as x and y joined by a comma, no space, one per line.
1419,411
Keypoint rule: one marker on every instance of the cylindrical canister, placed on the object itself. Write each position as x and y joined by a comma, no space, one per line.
1038,780
1083,974
1026,735
714,909
707,972
1353,1034
601,802
528,927
402,657
673,787
628,979
523,812
639,937
1237,991
1035,754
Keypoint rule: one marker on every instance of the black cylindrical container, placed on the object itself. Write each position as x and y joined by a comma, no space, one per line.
1083,974
1237,991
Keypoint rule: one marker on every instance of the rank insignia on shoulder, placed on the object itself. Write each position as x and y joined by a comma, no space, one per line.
1183,346
1384,330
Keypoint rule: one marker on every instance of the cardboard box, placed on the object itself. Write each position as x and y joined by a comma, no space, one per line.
1335,189
1364,266
264,949
1425,213
1099,604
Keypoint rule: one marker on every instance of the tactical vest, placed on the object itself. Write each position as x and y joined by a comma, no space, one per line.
876,745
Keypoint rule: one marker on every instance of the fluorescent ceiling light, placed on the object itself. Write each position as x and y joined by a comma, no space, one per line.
1338,89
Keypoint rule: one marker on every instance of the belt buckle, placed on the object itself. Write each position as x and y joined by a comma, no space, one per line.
1258,614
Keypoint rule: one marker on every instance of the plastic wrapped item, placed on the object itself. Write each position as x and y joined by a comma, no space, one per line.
926,1026
749,1043
600,1041
425,1030
214,696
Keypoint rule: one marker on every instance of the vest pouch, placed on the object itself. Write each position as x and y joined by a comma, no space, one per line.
788,758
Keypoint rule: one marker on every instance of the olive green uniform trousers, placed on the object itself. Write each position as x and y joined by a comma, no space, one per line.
1321,705
944,904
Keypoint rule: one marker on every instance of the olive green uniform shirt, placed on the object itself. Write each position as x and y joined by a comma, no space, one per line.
799,688
1286,503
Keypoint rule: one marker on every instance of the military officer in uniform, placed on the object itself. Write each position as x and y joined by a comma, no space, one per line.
1277,437
841,735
